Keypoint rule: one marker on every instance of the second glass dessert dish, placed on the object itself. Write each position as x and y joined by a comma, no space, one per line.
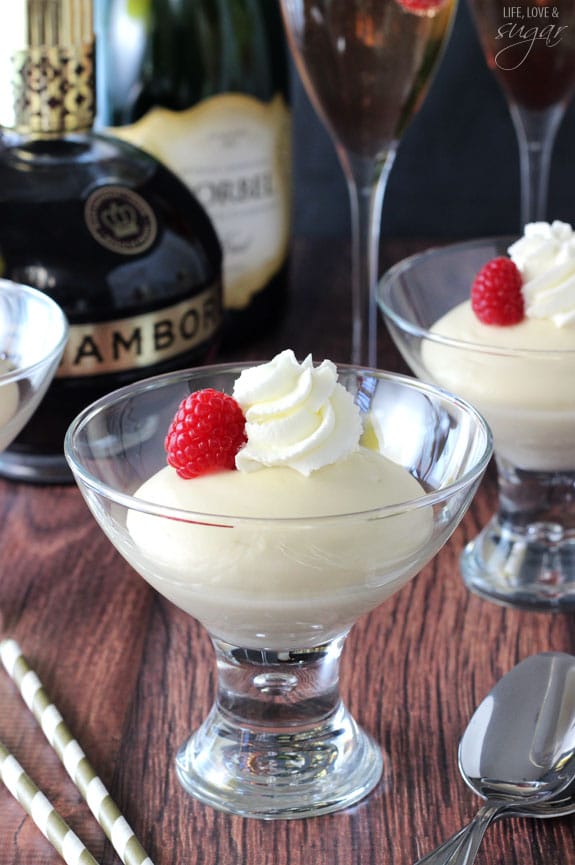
33,334
346,482
521,378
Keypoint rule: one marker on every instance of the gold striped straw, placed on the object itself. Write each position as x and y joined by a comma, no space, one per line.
42,812
72,756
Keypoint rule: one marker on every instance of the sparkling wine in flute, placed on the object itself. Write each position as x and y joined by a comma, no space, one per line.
366,65
530,48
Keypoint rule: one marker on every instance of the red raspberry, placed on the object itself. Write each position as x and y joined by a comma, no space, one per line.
496,296
206,433
421,7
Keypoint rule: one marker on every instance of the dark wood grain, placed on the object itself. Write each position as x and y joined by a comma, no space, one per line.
133,675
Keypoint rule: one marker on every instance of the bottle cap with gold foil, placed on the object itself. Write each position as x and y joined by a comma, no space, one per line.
46,66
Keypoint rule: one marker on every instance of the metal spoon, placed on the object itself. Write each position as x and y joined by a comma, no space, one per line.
561,807
518,751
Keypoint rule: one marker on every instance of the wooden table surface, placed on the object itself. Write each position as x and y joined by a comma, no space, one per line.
133,675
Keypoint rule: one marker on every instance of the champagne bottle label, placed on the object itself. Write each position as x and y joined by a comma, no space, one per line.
142,340
233,152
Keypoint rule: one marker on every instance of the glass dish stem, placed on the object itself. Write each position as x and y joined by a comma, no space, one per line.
278,742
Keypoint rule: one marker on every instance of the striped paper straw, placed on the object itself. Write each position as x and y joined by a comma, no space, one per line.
42,812
72,756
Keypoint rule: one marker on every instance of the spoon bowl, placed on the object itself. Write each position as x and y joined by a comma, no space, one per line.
517,751
521,738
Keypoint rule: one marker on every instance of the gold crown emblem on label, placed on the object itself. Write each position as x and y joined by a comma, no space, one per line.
121,219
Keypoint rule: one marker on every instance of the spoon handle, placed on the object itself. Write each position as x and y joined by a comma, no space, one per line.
461,848
442,853
467,850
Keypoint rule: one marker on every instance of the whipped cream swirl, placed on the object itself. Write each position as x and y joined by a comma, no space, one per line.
297,415
545,257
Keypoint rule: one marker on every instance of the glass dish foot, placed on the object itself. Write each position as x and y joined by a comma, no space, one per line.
533,568
525,556
283,775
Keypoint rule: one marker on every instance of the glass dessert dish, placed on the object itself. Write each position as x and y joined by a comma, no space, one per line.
33,333
525,556
279,591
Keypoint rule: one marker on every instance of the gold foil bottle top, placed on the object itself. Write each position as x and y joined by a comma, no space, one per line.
47,81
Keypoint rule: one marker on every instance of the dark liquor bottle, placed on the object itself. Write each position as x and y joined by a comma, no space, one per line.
203,85
110,233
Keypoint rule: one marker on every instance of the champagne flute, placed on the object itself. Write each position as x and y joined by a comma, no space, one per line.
530,48
366,65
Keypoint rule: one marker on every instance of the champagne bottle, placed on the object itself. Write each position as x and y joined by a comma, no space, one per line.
117,239
203,85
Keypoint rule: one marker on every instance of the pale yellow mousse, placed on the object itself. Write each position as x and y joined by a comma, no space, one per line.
297,560
288,568
362,481
521,377
308,532
9,401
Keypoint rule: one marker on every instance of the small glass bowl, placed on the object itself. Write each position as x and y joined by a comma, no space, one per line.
33,334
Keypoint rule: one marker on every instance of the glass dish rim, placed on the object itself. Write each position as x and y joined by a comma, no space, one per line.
390,276
196,517
20,288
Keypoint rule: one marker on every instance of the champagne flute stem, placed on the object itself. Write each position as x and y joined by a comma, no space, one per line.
536,132
366,180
